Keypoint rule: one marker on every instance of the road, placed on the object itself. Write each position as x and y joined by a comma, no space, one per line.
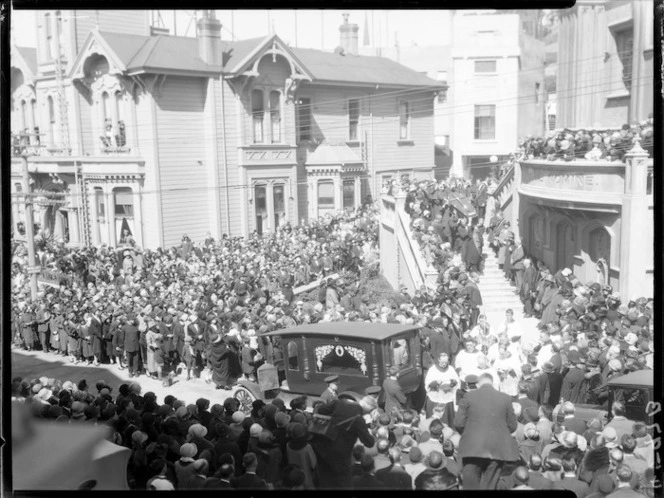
35,364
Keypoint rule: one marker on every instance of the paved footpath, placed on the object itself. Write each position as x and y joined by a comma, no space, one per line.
35,364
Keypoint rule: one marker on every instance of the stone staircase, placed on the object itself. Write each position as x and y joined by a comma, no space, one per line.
498,294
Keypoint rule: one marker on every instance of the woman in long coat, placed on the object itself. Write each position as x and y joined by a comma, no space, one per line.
56,330
86,343
95,341
470,253
72,328
223,362
152,338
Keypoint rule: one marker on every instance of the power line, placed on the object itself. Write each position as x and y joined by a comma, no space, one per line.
445,112
239,186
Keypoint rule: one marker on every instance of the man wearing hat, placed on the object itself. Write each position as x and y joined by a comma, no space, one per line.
486,420
436,476
575,383
330,393
131,334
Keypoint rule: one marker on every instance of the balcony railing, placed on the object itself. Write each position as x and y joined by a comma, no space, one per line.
503,191
116,151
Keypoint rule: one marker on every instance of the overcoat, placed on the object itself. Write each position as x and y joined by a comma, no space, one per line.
486,420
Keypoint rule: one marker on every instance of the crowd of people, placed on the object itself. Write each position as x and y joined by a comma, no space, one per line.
155,312
594,145
209,304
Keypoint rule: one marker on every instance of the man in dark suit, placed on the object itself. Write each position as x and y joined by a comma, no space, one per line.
394,395
486,421
570,482
537,480
249,480
43,319
395,476
131,347
474,296
367,480
528,290
333,451
551,383
571,423
523,398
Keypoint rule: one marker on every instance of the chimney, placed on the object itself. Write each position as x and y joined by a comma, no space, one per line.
348,36
209,38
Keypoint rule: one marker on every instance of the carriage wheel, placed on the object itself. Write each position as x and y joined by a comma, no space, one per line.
245,398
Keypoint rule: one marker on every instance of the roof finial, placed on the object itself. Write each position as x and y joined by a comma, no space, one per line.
346,15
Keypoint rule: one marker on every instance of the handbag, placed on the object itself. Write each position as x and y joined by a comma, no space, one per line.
323,426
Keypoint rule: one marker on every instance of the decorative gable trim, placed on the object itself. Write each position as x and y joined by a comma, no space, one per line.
19,62
95,44
275,46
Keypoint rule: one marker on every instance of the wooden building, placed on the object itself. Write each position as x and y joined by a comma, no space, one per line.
156,136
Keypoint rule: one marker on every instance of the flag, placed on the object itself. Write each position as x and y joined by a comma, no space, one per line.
365,42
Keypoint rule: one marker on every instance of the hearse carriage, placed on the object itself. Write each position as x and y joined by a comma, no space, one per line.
359,353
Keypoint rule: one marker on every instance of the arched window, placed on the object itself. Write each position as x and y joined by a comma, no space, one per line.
257,112
33,122
275,116
95,66
293,360
119,112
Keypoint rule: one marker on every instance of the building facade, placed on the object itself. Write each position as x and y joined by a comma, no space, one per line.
605,76
596,217
155,136
496,90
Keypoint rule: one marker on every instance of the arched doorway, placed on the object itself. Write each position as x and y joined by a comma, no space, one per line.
564,245
535,235
599,251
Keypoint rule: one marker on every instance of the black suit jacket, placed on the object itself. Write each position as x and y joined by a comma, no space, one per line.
248,481
395,477
367,481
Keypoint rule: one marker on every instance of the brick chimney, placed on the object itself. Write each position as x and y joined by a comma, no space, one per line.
348,36
209,38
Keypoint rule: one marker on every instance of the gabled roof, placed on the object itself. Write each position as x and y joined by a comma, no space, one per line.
360,69
333,154
26,60
179,54
169,53
236,52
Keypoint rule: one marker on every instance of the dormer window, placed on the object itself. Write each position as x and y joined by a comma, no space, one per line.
109,97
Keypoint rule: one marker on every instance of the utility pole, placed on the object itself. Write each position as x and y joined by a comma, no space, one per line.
33,267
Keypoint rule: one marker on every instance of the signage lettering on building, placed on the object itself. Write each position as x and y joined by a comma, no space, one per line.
536,177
